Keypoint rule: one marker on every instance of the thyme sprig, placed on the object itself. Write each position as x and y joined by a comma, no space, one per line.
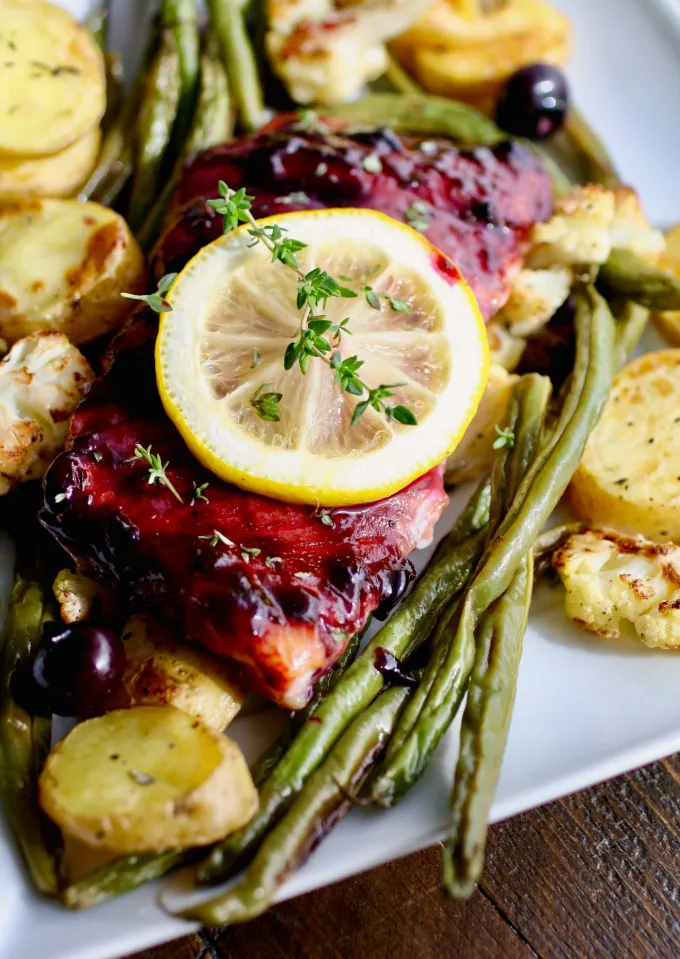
156,470
504,437
315,288
156,300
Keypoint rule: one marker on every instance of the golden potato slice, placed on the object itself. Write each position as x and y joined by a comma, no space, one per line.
54,176
629,476
52,83
471,59
669,321
63,267
162,671
146,779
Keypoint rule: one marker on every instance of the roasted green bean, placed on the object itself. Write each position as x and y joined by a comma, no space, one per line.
484,730
154,127
24,739
322,802
181,18
596,164
626,275
121,876
268,760
453,646
409,625
420,114
212,125
631,322
228,21
97,24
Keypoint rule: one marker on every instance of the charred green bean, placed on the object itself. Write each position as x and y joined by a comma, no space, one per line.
154,126
628,276
484,730
238,56
322,802
24,739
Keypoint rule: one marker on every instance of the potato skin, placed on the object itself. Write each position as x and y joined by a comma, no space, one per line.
59,175
63,267
160,670
146,779
628,477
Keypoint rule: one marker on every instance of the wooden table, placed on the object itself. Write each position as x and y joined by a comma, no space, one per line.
595,875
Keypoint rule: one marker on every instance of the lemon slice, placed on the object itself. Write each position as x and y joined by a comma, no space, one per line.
233,315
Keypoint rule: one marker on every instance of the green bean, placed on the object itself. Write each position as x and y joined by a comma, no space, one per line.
239,59
212,125
114,88
154,127
631,322
268,760
115,154
181,18
24,739
445,678
409,625
421,114
562,185
597,165
323,801
97,24
121,876
399,78
108,161
537,495
627,275
119,175
484,730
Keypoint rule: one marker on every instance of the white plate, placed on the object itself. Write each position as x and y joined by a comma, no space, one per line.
586,709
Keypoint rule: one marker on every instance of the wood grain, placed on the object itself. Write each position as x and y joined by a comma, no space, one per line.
595,875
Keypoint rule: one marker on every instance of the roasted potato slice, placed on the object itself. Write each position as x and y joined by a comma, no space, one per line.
52,83
669,321
63,266
629,475
54,176
472,58
160,670
146,779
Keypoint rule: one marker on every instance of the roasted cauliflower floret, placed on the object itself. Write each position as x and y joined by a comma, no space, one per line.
631,230
612,579
327,55
587,223
474,453
42,380
579,230
534,297
76,595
